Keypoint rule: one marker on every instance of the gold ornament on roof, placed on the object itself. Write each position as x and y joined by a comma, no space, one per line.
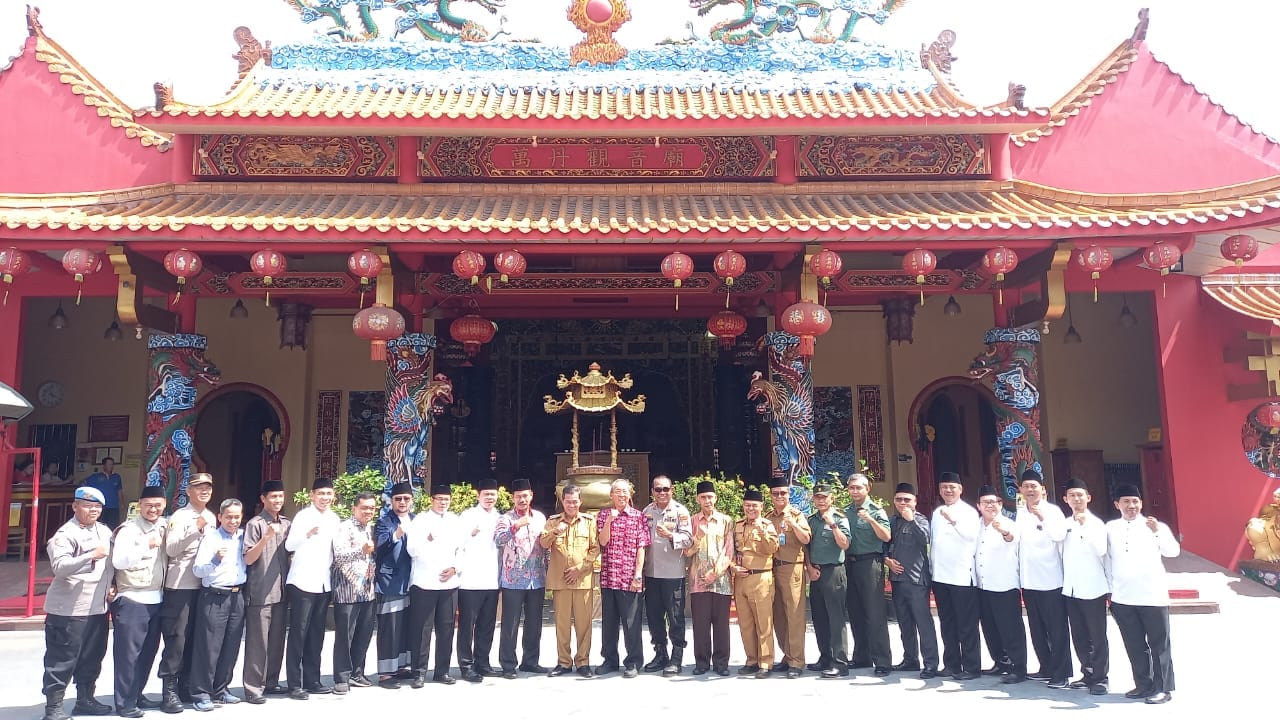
594,393
599,19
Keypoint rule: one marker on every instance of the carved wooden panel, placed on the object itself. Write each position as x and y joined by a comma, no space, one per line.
295,156
826,156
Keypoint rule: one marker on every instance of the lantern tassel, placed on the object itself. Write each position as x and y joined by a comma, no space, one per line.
677,302
6,297
176,297
361,298
268,298
1000,292
806,346
79,291
922,296
378,351
1095,292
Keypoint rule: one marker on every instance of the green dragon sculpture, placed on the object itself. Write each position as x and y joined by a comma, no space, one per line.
760,19
435,19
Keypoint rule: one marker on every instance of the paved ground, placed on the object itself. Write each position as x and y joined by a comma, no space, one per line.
1217,657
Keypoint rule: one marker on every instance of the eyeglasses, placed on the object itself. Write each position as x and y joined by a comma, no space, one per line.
779,493
662,489
902,499
402,498
989,502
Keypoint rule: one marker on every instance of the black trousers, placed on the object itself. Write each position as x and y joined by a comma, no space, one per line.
710,629
1088,622
394,642
177,627
1145,632
73,649
620,608
864,603
958,618
664,612
915,624
1002,628
219,628
306,637
353,630
827,597
134,647
431,611
477,616
1047,622
518,606
265,627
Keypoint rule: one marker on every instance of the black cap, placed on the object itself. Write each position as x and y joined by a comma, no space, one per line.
322,483
401,488
1127,490
1030,474
907,488
271,486
520,484
987,490
779,482
949,477
1076,484
152,491
822,489
487,484
753,494
706,486
440,488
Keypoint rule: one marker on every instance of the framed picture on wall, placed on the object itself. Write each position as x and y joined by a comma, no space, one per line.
108,428
102,453
84,455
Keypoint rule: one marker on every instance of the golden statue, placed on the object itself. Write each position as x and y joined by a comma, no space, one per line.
593,393
1262,532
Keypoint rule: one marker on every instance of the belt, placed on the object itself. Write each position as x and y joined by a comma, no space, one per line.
757,572
224,591
866,556
776,563
822,565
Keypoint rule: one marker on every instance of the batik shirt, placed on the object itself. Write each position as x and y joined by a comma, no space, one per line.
712,550
628,533
524,560
353,569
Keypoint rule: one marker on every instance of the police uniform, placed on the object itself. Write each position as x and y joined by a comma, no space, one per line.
755,544
827,592
788,585
139,561
181,591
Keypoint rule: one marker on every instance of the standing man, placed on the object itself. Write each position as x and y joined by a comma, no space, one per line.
138,557
1140,594
353,569
308,584
624,538
266,613
570,538
393,574
788,577
107,481
220,566
75,606
829,538
952,545
435,539
1041,528
710,584
1085,588
754,542
523,580
995,566
864,568
478,593
182,589
908,562
669,536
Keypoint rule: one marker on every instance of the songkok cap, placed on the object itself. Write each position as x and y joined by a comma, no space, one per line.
200,479
90,494
1031,475
822,489
401,488
1076,484
151,491
779,482
751,495
949,477
439,488
987,491
322,483
521,484
487,484
907,488
271,486
706,486
1124,491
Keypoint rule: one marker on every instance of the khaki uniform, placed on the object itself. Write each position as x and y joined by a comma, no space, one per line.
755,545
788,588
577,547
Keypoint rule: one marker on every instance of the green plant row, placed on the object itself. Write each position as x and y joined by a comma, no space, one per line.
348,485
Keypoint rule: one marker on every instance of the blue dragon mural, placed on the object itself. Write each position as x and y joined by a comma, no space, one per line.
760,19
1009,367
787,400
414,398
435,19
177,364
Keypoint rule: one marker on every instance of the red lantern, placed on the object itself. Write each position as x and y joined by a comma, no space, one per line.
472,331
729,265
1096,260
267,264
1162,256
726,325
80,262
825,264
183,265
510,263
468,265
999,261
1269,417
919,262
12,262
364,264
378,324
806,320
677,267
1239,249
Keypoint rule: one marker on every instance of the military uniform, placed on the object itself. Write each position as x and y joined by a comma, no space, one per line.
827,593
575,547
864,595
788,587
755,545
75,627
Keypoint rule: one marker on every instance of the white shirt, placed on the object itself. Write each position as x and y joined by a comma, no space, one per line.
1133,556
131,550
478,556
995,561
227,572
434,543
309,568
1084,552
1040,547
952,546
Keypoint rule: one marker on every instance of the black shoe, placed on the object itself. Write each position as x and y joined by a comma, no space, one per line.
510,674
835,672
762,674
656,664
927,674
389,682
445,679
722,671
905,666
559,670
701,669
1040,675
606,669
472,676
1136,694
359,681
859,664
146,703
341,688
882,672
748,670
489,672
630,673
89,705
405,673
320,689
586,671
1013,679
818,667
779,668
1058,684
1159,698
535,669
1098,689
132,712
253,699
671,670
994,670
966,675
276,690
418,681
1078,685
793,673
298,694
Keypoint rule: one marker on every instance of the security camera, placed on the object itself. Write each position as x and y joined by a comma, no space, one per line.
13,407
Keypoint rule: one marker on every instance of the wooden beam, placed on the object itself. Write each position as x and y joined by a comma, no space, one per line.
130,290
1053,294
151,272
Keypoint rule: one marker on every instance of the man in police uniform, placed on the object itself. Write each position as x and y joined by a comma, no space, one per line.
788,577
139,561
755,541
75,606
182,590
864,569
829,538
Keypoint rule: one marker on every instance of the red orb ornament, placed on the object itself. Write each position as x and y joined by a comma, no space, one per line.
80,262
806,320
472,331
919,262
1162,256
378,324
468,265
13,262
1239,249
1269,417
726,325
599,11
268,264
183,265
1096,260
510,263
826,264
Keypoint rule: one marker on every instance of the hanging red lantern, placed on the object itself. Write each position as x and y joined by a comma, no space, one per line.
81,262
826,264
1269,417
378,324
364,264
806,320
1096,260
183,265
729,265
999,261
677,267
1162,256
1239,249
468,265
268,264
726,325
919,262
13,262
472,331
510,264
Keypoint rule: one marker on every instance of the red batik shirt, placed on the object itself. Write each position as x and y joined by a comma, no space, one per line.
628,533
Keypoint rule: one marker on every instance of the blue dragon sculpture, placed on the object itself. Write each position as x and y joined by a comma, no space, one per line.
760,19
414,398
177,364
787,401
1009,366
435,19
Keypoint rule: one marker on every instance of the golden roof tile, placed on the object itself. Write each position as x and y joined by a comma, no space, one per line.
1083,94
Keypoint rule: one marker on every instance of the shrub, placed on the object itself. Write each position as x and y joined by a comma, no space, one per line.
348,485
729,491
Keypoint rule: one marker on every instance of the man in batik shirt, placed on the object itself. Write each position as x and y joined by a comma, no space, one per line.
353,595
624,539
710,585
522,579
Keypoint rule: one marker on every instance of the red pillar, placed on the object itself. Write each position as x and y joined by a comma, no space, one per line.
185,307
184,147
1001,165
407,160
10,367
784,163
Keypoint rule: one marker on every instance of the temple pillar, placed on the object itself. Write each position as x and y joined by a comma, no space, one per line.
407,161
787,400
1010,366
414,397
178,364
784,162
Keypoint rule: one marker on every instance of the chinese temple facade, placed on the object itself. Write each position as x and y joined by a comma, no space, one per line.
809,253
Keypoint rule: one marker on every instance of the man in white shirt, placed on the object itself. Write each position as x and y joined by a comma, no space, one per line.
1140,594
310,539
478,591
139,561
222,571
1042,528
1085,588
435,538
953,531
995,565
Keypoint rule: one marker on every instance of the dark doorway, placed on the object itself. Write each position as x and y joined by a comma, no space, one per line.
232,443
958,434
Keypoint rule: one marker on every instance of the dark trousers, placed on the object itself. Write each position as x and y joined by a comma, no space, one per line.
431,611
1003,629
265,627
1145,632
477,616
1088,623
664,612
219,627
394,641
958,618
134,648
177,627
864,604
306,637
620,608
915,624
73,649
710,629
518,605
1047,622
353,629
827,597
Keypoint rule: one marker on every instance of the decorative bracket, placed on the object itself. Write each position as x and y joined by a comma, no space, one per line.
131,271
1051,304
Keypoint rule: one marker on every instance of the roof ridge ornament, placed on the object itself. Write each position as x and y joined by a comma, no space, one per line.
251,51
34,28
435,19
599,20
1140,31
760,19
164,95
938,53
1017,96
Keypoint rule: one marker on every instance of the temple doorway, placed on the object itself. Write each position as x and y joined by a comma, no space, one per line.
953,426
241,434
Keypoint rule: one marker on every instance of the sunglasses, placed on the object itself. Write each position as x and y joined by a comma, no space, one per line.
662,489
